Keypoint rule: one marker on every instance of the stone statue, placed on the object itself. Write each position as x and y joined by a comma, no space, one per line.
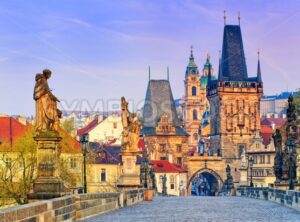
278,155
47,113
164,185
131,127
229,179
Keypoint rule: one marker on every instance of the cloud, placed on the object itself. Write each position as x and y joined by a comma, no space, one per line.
77,21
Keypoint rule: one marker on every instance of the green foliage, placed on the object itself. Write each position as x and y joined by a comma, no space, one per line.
68,125
18,168
297,103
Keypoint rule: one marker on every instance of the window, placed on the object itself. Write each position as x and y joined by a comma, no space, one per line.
242,149
195,136
194,91
103,175
172,182
73,163
8,162
179,161
195,115
163,158
160,179
255,159
269,158
178,148
162,147
115,125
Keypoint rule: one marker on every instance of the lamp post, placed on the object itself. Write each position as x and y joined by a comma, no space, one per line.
84,141
251,161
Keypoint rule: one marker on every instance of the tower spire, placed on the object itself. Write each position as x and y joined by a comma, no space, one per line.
259,79
239,17
207,57
149,73
209,74
219,72
224,17
168,77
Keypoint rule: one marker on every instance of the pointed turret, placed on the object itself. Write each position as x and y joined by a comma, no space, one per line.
233,58
192,67
259,79
219,71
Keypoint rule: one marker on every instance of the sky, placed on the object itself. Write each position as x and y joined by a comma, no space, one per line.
100,50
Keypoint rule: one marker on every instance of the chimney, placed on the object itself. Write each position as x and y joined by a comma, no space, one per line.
268,115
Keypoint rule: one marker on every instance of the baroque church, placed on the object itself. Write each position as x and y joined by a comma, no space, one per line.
221,116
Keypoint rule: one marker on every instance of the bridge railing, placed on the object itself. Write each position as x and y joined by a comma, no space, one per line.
289,198
73,207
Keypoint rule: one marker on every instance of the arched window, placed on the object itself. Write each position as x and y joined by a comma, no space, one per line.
195,115
194,91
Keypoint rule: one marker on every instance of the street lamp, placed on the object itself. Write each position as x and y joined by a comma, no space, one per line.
84,142
251,161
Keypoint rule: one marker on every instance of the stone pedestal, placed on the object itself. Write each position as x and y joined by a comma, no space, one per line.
243,177
130,177
47,183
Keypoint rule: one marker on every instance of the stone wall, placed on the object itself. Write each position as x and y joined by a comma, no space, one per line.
289,198
71,208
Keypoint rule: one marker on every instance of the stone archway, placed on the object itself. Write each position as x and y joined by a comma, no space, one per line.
205,182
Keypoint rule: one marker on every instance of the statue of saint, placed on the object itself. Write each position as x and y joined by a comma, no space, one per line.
47,113
131,127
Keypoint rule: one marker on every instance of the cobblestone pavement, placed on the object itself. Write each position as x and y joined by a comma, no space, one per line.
202,209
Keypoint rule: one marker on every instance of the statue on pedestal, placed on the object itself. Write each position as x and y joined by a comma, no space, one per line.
131,128
47,183
129,151
278,155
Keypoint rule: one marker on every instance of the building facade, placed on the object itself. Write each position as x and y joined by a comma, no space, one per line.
262,151
163,133
234,100
176,177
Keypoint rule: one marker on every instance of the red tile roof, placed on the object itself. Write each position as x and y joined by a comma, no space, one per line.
277,121
88,128
11,129
164,166
266,130
266,133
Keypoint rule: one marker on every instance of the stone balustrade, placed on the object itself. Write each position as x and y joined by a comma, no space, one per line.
289,198
71,208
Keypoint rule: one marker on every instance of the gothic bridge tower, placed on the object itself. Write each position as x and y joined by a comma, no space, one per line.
234,99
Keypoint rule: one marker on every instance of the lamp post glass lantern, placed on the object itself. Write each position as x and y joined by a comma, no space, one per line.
251,161
84,142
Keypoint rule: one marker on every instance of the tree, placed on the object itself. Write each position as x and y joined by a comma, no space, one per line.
18,168
297,103
68,126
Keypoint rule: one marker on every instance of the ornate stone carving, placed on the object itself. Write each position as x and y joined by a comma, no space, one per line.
131,128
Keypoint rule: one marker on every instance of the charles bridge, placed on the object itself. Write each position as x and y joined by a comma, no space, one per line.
249,204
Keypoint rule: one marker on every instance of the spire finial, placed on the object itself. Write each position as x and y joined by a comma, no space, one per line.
239,17
219,54
224,17
192,47
149,73
207,56
259,79
168,73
